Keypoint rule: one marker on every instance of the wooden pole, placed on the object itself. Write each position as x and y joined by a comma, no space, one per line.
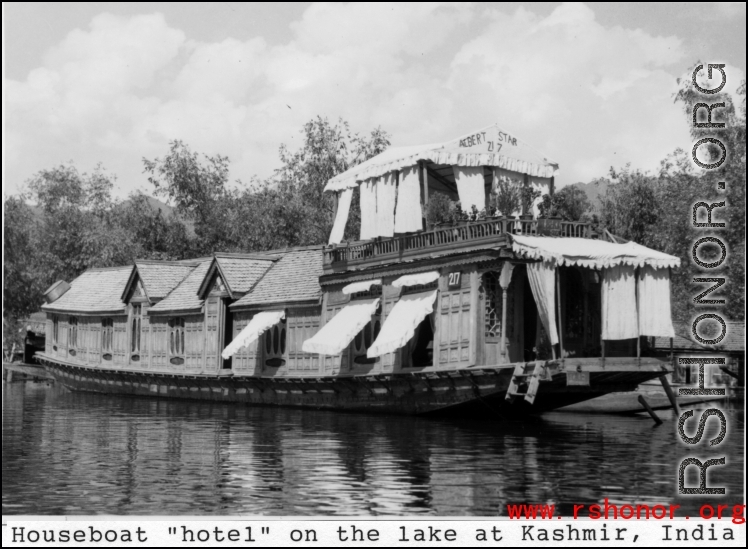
503,321
560,322
669,393
649,410
636,296
602,313
423,174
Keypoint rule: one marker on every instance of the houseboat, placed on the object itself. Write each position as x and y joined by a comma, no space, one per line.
493,315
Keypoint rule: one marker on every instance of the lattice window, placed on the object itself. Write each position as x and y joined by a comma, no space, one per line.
492,292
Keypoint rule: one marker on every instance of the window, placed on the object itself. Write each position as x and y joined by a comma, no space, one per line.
135,333
493,305
107,334
423,350
275,343
176,336
73,334
55,329
367,336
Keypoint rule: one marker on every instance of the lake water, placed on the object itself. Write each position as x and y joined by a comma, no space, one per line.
75,453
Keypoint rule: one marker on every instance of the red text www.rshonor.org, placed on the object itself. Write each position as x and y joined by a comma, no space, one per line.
626,511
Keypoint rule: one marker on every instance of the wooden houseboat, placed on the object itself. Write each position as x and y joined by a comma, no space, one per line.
488,316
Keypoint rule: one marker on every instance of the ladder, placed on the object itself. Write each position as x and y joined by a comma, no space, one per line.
526,380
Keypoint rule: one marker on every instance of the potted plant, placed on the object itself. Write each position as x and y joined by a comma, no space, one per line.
529,195
508,198
549,216
439,211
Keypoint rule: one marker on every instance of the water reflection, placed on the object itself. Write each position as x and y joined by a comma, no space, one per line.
69,453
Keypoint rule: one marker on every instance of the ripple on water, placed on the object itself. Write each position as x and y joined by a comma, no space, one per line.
73,453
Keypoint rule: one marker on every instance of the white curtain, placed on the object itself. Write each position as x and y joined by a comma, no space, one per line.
408,212
386,196
542,277
402,322
619,303
368,209
340,330
341,218
470,186
259,324
654,302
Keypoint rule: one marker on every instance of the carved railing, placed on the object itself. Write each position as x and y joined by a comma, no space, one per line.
443,238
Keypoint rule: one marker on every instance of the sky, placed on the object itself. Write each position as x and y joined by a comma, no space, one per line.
589,85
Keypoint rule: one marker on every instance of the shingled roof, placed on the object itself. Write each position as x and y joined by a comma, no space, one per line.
240,272
734,340
295,277
159,277
94,291
184,297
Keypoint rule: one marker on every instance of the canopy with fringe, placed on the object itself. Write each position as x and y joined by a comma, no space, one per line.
594,254
491,146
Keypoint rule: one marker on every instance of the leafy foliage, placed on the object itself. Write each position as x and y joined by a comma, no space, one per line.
657,209
508,196
570,204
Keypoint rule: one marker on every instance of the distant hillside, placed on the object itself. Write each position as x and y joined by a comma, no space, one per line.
594,192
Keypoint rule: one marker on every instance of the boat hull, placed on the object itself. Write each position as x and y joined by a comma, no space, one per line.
477,392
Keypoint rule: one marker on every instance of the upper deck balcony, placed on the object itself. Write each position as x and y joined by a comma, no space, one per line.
489,172
465,236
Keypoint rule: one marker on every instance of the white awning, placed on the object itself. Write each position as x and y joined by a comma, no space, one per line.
259,324
416,279
364,286
402,322
490,146
585,252
342,328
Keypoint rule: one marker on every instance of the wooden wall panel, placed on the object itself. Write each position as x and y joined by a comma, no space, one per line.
246,359
213,306
120,345
159,342
302,324
193,342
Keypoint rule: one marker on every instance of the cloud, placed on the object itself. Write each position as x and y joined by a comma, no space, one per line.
582,93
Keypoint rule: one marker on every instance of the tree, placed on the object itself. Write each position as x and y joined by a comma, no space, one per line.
657,209
199,191
570,203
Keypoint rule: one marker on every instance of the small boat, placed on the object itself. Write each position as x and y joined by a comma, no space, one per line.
492,316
